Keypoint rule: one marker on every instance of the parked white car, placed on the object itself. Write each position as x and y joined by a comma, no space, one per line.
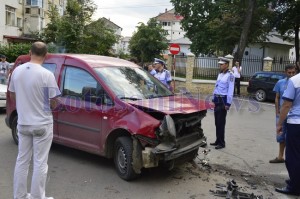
3,90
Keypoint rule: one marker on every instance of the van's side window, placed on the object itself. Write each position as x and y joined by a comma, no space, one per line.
79,83
50,67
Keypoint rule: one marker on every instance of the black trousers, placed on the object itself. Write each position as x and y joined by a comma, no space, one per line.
237,86
292,156
220,120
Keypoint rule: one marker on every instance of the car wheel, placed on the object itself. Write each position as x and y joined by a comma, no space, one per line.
123,158
260,95
14,130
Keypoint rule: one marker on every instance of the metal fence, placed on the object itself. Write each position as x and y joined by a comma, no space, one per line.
206,68
250,65
180,66
279,63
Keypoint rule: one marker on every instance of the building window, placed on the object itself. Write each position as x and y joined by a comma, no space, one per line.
39,3
166,23
19,22
27,10
10,16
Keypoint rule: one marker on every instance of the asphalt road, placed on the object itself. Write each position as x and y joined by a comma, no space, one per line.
250,144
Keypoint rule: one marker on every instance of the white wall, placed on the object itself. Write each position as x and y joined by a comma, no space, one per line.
277,50
7,29
174,31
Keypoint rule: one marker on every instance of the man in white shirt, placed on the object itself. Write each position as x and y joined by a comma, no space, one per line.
34,89
237,69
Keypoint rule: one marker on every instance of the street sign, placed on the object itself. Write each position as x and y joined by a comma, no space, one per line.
174,49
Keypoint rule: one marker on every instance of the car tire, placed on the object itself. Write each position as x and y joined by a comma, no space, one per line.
123,158
14,130
260,95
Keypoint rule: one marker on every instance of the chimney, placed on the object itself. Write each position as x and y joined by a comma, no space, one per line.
166,10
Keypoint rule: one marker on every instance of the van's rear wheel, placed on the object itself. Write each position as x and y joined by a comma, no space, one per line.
123,158
14,130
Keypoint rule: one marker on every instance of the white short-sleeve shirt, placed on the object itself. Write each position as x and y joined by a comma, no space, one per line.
33,86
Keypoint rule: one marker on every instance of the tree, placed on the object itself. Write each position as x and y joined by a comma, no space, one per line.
51,33
97,31
148,42
75,32
287,20
215,27
78,15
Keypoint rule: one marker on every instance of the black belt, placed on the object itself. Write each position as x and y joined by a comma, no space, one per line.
220,95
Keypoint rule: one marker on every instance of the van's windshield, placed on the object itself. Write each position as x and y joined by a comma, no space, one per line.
132,83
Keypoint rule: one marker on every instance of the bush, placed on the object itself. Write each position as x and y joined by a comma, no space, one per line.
12,51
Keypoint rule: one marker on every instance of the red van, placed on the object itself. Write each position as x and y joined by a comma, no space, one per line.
113,108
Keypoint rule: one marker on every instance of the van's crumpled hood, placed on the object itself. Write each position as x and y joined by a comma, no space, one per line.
171,104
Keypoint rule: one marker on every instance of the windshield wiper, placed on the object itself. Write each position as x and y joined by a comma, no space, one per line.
156,96
130,98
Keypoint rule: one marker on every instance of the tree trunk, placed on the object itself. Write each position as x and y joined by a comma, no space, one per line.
245,32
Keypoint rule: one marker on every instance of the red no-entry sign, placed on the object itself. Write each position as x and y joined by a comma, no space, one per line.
174,49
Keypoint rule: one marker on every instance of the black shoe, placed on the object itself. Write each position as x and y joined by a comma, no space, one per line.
287,191
214,144
219,147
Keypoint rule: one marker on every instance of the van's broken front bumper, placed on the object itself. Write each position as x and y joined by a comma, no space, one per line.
185,148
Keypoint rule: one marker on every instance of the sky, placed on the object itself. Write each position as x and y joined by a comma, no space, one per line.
128,13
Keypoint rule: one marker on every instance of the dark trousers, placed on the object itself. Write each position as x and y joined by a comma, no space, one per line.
220,120
292,156
237,86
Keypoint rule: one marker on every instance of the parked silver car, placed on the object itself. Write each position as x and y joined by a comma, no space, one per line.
3,90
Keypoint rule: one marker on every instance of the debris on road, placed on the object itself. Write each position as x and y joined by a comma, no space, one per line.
232,191
205,161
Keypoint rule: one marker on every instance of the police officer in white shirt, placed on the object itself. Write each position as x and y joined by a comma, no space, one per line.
237,69
291,109
223,94
162,74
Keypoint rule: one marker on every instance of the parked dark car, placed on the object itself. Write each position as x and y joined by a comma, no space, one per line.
113,108
261,85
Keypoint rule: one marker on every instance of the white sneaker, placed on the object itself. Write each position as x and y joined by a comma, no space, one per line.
28,196
49,198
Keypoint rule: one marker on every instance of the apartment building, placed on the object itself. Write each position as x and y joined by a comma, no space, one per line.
171,24
19,19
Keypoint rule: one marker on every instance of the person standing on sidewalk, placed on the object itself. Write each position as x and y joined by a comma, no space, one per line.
34,98
4,69
237,69
223,94
291,110
279,89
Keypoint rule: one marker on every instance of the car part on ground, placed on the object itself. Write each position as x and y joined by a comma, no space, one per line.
231,191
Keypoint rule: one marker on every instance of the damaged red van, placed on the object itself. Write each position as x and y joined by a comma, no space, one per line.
113,108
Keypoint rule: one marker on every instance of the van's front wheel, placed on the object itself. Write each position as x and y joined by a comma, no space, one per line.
123,158
14,130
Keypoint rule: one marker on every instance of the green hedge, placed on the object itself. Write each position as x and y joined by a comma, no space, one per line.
12,51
